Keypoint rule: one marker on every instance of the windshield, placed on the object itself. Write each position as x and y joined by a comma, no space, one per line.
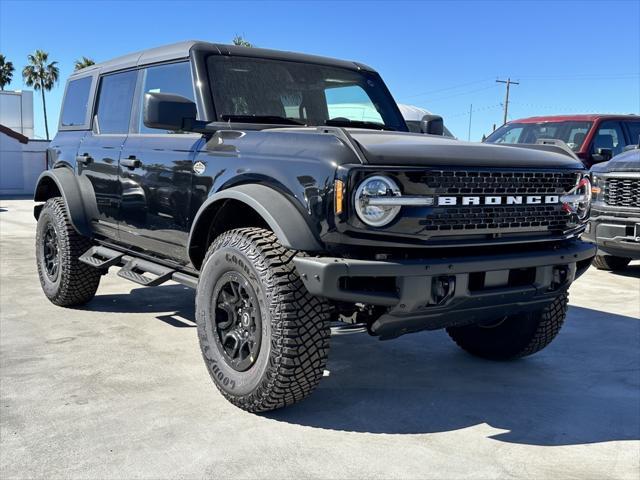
571,133
260,90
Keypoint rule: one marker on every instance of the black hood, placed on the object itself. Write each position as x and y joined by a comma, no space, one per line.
625,162
398,148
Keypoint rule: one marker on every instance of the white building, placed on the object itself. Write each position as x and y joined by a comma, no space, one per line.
16,111
22,158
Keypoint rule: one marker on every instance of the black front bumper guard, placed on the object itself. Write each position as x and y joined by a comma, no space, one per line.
441,292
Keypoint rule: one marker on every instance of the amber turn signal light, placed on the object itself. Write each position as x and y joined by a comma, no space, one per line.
338,199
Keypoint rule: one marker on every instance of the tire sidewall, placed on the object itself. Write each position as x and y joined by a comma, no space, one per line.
234,383
48,217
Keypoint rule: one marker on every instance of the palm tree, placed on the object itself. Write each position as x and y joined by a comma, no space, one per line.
241,42
6,72
84,62
41,76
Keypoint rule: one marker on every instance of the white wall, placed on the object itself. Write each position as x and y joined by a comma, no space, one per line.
20,165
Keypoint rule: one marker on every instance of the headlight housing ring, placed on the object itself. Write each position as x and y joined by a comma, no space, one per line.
377,186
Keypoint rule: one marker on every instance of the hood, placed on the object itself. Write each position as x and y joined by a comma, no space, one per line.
399,148
625,162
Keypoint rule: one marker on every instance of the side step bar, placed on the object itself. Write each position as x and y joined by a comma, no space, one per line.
101,257
142,272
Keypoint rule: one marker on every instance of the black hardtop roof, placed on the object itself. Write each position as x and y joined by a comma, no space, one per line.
181,50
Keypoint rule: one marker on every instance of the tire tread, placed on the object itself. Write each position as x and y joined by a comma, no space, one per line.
534,335
79,281
300,323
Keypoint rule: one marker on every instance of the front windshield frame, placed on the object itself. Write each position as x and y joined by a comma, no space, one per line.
565,128
371,83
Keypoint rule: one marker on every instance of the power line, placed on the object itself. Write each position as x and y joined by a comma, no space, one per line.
595,76
508,82
585,76
429,92
459,94
475,110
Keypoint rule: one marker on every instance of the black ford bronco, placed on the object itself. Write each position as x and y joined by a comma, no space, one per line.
288,192
615,216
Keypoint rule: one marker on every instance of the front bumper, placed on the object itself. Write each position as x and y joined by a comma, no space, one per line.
440,292
616,233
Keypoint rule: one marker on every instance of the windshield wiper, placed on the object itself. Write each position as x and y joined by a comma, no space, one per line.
345,122
274,119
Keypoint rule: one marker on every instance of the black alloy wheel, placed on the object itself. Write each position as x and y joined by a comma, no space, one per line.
51,252
237,324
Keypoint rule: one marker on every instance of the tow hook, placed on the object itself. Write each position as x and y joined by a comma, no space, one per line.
442,289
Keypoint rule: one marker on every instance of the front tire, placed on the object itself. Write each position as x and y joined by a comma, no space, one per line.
263,337
515,336
65,280
610,263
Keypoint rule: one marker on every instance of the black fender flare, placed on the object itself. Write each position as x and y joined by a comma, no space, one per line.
282,216
66,182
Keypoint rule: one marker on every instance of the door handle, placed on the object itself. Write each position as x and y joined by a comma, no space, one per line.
131,162
84,159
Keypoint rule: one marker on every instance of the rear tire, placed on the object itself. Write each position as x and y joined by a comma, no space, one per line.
513,337
610,263
64,279
263,337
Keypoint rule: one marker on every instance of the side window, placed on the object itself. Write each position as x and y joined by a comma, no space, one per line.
173,78
634,132
609,136
351,102
74,109
114,102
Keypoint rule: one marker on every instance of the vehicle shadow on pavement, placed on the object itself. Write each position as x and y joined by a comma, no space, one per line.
632,271
162,299
584,388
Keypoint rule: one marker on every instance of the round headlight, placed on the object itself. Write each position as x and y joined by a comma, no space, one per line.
578,200
373,188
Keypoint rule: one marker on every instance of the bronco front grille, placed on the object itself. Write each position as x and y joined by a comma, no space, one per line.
622,192
533,217
498,218
490,182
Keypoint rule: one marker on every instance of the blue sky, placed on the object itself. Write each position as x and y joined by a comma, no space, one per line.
569,56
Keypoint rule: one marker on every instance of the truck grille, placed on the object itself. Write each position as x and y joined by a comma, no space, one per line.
489,182
498,218
622,192
530,217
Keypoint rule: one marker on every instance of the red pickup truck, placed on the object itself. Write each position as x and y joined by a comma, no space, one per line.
594,138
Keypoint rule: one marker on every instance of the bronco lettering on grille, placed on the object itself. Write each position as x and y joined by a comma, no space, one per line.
500,200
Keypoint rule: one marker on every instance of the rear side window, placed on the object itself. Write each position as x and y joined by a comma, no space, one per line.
76,101
173,78
114,102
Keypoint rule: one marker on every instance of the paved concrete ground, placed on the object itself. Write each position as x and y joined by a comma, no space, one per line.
118,390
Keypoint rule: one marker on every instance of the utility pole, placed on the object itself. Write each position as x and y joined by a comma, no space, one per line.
509,82
470,114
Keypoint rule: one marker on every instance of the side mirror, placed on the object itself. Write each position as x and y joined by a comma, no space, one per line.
166,111
432,124
602,155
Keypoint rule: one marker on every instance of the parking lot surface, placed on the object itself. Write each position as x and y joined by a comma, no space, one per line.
117,389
